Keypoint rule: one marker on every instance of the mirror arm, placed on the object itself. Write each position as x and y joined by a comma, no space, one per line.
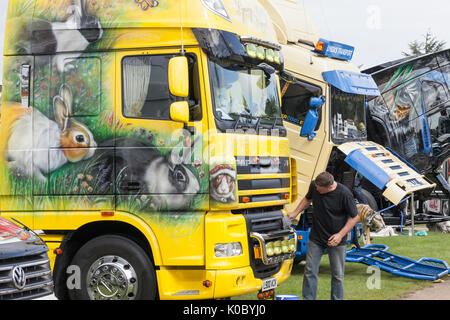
190,129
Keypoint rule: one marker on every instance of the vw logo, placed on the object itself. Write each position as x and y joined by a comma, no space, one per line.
18,277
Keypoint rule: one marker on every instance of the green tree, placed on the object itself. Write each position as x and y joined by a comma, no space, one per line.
429,44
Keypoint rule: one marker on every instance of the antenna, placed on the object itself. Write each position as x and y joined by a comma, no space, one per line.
181,26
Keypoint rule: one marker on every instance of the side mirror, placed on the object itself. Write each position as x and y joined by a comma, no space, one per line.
179,112
312,118
179,77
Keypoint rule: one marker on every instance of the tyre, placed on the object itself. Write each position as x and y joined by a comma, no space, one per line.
113,267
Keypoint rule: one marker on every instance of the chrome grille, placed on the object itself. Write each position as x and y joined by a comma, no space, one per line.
38,277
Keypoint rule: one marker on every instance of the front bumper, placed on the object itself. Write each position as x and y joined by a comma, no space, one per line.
234,275
262,239
188,284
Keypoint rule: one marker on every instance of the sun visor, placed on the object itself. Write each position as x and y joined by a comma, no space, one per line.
224,45
386,170
352,82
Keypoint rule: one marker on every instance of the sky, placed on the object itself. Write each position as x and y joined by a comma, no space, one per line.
380,30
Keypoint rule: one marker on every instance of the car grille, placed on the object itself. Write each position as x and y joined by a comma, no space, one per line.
37,273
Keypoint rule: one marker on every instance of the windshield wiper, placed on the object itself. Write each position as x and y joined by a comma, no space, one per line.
240,115
268,118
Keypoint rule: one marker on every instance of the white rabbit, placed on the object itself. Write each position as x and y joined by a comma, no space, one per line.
171,181
68,38
38,145
140,168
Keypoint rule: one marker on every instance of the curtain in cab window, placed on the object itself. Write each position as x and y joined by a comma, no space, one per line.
136,81
146,87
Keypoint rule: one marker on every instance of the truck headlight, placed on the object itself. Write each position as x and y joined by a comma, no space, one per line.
277,247
284,246
292,245
251,50
269,249
270,55
223,250
277,57
260,52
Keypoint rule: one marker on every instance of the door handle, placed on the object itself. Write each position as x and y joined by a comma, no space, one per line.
130,186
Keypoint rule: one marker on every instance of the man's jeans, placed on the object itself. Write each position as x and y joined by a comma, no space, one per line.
337,263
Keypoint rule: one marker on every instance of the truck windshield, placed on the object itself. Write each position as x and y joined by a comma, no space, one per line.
348,116
245,97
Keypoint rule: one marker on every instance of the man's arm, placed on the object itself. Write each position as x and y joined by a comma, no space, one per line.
336,239
303,205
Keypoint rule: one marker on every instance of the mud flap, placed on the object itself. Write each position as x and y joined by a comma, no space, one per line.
386,170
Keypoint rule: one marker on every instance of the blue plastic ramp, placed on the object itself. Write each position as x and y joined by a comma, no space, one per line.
378,255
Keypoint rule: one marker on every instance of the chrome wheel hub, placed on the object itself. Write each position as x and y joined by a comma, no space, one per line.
112,278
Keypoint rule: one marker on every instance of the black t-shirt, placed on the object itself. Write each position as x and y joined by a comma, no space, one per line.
331,212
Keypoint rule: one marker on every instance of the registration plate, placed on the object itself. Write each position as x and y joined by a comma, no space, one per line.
269,284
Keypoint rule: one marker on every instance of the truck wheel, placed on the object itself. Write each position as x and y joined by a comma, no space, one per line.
114,268
370,199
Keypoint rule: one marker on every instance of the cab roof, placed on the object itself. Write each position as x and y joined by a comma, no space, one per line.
148,21
291,22
300,59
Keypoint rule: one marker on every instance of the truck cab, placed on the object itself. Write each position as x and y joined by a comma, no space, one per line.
144,138
412,117
324,109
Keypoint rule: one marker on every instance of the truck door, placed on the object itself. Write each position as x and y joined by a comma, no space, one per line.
159,170
295,106
157,159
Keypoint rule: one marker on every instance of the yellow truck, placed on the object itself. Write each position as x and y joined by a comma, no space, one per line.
324,101
144,139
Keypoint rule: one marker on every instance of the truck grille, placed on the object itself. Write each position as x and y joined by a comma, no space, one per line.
263,222
38,277
263,179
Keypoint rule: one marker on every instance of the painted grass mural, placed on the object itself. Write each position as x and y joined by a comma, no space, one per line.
59,153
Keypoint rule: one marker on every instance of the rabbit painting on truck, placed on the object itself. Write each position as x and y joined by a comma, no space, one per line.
67,143
66,139
74,34
141,169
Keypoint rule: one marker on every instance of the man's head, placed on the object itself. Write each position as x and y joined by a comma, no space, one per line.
324,182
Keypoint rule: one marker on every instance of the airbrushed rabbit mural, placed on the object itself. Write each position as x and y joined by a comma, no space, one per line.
142,170
69,149
71,140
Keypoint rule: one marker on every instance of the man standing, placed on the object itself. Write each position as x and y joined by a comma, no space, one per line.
334,216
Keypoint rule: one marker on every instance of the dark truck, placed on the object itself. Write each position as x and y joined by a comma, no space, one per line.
412,118
24,265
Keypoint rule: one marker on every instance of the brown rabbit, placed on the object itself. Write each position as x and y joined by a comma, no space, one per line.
66,139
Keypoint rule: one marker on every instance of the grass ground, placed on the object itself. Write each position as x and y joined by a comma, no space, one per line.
435,245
